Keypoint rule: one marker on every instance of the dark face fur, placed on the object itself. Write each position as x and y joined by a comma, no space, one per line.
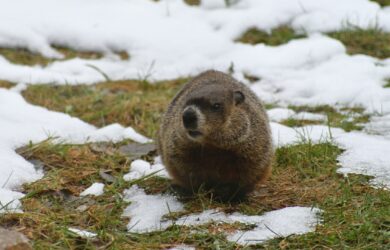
208,113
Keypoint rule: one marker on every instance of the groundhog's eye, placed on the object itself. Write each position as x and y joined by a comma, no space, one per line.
216,106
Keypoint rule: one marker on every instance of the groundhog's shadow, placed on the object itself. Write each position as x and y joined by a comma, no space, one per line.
221,193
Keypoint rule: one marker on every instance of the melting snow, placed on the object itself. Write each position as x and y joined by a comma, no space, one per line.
95,189
277,223
146,211
365,154
182,247
280,114
82,233
9,201
141,168
309,71
21,123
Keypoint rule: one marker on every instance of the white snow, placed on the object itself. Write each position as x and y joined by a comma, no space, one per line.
169,39
366,154
212,4
379,125
22,123
9,201
140,168
283,135
277,223
82,233
280,114
42,123
182,247
315,70
95,189
146,211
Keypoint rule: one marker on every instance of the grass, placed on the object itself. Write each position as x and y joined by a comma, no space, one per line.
291,122
382,3
6,84
387,85
355,215
373,42
130,103
140,104
278,36
25,57
192,2
348,119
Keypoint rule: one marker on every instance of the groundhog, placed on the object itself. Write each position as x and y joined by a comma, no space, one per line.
215,134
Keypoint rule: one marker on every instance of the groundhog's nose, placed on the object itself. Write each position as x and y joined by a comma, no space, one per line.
190,119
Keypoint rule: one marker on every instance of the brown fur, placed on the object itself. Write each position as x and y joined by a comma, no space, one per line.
235,150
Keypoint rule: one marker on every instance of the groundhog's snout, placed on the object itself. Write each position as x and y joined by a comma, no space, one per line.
190,119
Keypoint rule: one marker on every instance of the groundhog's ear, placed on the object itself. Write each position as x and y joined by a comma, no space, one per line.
238,97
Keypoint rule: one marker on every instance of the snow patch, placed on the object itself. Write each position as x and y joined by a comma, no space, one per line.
95,189
141,168
277,223
280,114
182,247
367,155
364,154
146,211
310,71
82,233
21,123
9,201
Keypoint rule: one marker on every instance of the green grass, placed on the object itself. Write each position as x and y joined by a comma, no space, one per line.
130,103
373,42
291,122
346,118
25,57
277,36
192,2
382,3
356,216
387,85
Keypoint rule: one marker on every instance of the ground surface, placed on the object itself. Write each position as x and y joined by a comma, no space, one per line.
330,92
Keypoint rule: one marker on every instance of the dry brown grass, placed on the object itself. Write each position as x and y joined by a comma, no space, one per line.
26,57
6,84
131,103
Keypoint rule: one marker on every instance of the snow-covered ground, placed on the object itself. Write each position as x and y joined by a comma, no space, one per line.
169,39
21,123
277,223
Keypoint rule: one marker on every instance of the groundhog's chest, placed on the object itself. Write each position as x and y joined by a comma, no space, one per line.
212,163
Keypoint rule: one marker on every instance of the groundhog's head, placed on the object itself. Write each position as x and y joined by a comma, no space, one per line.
214,115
